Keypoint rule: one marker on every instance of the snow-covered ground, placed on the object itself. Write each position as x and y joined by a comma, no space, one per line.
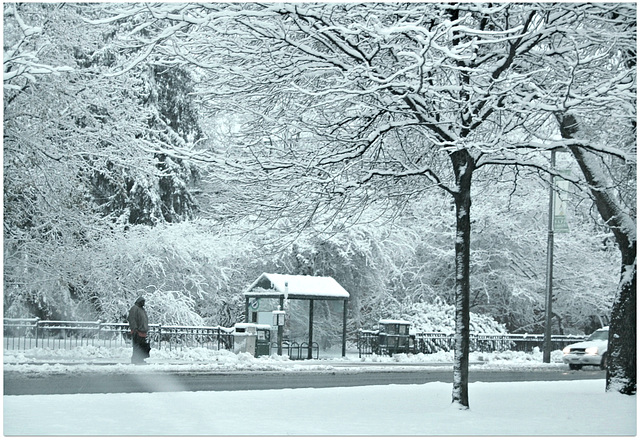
573,408
89,358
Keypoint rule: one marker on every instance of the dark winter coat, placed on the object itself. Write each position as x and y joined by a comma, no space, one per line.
138,321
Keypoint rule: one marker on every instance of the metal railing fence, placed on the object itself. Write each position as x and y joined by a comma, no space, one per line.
374,342
22,334
297,351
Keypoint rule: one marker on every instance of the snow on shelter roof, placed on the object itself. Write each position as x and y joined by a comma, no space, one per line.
271,285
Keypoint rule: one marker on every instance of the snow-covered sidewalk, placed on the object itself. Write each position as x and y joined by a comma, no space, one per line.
104,360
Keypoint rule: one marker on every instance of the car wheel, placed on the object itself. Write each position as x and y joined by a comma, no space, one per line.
575,366
604,362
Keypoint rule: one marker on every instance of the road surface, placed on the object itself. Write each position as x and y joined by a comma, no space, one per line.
19,384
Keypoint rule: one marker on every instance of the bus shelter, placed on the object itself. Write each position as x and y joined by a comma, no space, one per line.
299,287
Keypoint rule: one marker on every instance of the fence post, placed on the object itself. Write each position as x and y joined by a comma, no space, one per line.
37,332
159,336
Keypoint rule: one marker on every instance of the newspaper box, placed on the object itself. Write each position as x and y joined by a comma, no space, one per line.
393,336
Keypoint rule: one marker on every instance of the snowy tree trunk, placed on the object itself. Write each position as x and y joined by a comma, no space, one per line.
463,166
621,370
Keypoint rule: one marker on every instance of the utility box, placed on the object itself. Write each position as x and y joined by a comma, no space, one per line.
254,339
393,336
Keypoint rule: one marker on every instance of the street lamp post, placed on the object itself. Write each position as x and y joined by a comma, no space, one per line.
546,353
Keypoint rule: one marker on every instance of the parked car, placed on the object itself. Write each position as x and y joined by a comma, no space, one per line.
592,351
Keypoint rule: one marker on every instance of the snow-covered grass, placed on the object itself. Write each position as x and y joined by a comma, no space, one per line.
575,408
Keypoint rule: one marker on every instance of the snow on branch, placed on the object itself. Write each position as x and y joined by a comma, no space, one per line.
629,157
21,57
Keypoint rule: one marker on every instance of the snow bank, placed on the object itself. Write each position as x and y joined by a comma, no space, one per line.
117,360
487,360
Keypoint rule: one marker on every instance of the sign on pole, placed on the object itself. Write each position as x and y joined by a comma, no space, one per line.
560,204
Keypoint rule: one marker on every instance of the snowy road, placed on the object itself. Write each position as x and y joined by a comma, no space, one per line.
145,382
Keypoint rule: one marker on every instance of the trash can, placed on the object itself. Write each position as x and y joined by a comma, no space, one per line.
244,338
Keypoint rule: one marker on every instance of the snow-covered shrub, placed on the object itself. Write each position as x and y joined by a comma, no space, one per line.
439,316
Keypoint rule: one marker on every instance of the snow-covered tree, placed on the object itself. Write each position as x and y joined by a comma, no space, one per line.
77,154
621,371
594,101
351,104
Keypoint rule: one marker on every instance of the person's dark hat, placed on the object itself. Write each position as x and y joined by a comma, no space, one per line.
140,301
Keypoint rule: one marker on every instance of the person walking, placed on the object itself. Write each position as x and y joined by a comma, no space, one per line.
139,326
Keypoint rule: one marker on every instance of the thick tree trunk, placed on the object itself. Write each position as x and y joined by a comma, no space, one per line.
463,165
621,370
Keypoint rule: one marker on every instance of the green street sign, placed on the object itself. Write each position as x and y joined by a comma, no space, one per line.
560,224
560,205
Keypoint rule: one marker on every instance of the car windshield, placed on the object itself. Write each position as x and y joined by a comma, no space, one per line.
599,334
